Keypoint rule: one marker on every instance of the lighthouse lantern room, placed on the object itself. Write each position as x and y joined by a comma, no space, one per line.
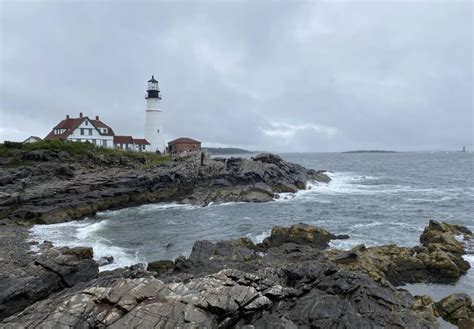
153,119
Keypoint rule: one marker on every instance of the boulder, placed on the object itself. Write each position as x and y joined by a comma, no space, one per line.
106,260
160,266
49,272
268,158
457,309
303,234
239,250
438,259
444,236
79,252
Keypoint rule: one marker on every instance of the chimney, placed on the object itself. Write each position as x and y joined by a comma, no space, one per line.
97,117
67,116
80,115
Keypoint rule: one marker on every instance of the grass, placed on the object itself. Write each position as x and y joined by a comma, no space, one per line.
13,149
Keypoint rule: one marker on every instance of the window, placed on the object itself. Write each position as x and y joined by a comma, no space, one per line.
104,143
94,142
104,130
90,132
158,131
87,123
82,131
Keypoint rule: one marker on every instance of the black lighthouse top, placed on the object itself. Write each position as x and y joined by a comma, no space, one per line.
153,91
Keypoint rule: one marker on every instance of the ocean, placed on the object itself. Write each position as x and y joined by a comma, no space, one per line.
375,198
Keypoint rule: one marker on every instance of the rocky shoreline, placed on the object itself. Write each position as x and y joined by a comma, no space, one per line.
57,187
290,280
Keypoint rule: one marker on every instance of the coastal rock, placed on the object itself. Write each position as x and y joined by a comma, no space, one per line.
424,304
52,271
62,187
438,259
268,158
301,233
444,236
457,309
293,284
160,266
294,296
79,252
105,260
207,257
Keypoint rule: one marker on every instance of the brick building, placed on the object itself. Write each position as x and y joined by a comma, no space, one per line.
183,145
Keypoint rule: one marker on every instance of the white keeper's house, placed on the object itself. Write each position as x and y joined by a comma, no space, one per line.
95,131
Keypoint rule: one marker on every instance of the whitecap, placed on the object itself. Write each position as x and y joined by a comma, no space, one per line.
347,243
83,233
146,208
371,224
260,237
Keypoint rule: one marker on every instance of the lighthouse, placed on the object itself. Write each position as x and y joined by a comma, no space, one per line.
153,119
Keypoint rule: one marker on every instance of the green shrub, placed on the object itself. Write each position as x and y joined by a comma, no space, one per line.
80,149
12,145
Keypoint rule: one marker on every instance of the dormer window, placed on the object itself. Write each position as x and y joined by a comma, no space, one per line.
104,130
87,123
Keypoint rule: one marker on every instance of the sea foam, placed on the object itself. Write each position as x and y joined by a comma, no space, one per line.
85,233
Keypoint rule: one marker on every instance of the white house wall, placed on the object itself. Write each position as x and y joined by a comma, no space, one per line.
86,125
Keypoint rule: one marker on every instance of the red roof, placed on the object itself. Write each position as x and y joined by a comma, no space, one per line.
100,124
123,140
140,141
70,124
184,140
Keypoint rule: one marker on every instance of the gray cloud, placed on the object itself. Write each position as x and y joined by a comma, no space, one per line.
270,76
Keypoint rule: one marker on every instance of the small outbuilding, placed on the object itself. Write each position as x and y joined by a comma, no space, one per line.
141,144
184,145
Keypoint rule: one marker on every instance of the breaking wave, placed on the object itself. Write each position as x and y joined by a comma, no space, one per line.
86,233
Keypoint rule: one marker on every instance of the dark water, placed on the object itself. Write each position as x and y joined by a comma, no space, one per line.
375,198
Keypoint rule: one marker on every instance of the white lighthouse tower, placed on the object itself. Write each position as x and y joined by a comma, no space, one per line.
153,120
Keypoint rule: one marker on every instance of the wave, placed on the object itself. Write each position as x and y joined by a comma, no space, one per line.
347,183
260,237
469,258
147,208
366,225
85,233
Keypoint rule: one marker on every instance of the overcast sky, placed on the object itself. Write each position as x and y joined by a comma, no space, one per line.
277,76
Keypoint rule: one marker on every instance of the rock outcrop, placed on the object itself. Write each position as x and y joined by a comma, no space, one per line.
53,188
40,276
291,286
457,309
301,233
438,259
293,281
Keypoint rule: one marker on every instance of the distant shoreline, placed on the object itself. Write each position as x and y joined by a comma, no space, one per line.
227,150
370,151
